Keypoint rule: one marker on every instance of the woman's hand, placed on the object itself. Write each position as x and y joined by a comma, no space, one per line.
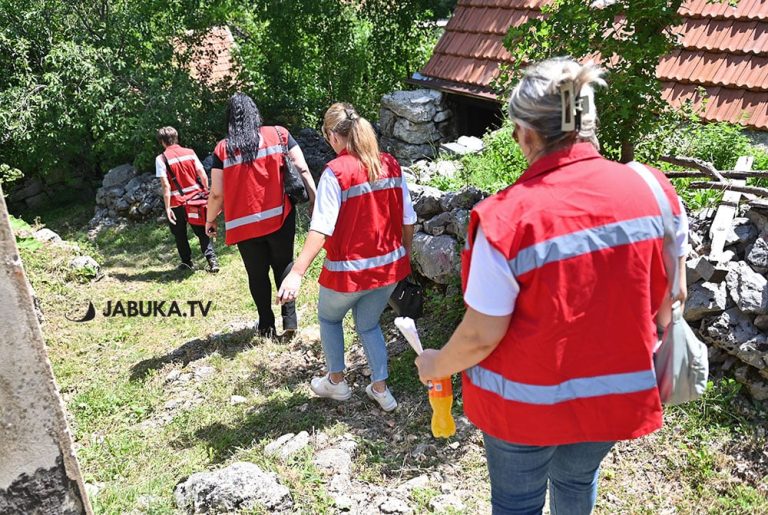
426,362
211,228
289,289
171,215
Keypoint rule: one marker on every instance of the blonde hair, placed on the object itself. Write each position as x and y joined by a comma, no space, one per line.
536,103
342,119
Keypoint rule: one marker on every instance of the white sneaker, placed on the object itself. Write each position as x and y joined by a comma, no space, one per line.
323,387
385,399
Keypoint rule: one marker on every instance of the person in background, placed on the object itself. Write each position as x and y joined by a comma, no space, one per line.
186,177
247,182
364,218
563,279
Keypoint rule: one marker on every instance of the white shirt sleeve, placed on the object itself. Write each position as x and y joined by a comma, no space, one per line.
160,166
199,166
327,204
409,215
681,236
491,287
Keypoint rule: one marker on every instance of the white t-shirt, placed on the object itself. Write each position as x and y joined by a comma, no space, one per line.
160,166
491,286
328,204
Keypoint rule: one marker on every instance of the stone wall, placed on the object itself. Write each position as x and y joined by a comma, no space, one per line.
35,192
38,469
413,124
124,195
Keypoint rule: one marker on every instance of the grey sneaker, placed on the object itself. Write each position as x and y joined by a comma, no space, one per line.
323,387
385,399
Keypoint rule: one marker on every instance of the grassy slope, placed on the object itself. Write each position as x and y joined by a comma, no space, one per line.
138,434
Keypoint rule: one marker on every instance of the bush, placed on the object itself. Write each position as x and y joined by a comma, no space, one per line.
499,164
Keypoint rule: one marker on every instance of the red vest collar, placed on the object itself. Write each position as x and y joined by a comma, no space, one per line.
558,159
344,152
175,146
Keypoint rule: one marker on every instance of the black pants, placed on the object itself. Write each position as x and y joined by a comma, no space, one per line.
275,251
179,231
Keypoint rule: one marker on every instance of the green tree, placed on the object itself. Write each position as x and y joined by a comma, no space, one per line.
628,37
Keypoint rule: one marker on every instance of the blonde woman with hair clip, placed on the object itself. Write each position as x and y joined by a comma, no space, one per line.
364,218
563,277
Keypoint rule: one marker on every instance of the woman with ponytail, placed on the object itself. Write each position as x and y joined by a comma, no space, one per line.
364,219
564,282
247,182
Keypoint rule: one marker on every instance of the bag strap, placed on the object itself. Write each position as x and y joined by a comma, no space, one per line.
283,144
668,221
173,175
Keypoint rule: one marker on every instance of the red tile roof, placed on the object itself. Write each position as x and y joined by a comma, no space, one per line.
723,50
211,58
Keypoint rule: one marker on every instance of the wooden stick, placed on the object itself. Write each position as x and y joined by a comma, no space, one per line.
729,206
761,192
707,168
728,174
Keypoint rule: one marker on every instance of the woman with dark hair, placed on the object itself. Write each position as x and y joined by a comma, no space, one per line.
247,182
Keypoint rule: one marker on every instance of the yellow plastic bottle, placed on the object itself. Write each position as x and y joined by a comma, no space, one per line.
441,400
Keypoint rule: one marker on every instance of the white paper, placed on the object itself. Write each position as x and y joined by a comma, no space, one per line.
408,327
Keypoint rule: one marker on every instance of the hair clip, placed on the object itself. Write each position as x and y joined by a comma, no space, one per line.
568,107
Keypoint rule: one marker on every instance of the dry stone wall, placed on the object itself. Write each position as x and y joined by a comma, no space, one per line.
125,195
413,124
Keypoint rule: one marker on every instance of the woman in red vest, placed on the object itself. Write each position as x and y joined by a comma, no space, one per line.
364,219
563,279
246,180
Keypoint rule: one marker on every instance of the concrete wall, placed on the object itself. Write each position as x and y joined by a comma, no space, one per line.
39,473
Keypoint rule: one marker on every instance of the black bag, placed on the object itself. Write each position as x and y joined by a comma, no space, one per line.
292,181
408,299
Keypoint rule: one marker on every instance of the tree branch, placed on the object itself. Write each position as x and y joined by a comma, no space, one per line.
707,168
728,174
762,192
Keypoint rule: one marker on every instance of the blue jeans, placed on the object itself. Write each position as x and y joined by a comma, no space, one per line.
366,307
519,475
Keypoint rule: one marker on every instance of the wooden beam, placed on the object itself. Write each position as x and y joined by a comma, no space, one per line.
729,186
728,174
718,232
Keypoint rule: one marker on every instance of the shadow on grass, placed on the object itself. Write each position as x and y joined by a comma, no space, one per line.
158,276
227,345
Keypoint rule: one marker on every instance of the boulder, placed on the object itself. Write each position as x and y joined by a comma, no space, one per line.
415,133
437,225
705,299
119,175
407,153
747,288
735,333
387,121
436,257
418,106
442,116
46,236
334,461
316,150
757,253
458,224
84,266
426,200
241,486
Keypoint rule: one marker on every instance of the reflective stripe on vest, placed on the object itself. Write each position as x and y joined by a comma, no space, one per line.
587,241
367,187
256,217
190,157
194,187
581,388
355,265
263,152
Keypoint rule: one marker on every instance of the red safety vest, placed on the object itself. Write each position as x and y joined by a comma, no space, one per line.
583,237
255,203
182,162
366,249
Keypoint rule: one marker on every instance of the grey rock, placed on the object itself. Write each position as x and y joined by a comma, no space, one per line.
747,288
757,253
335,461
46,235
387,121
394,505
691,274
27,189
316,150
418,106
426,200
237,399
37,201
415,133
757,388
407,153
134,185
705,299
442,116
445,502
458,224
733,332
448,130
436,257
203,373
241,486
743,230
758,218
84,265
467,198
119,175
272,448
711,272
761,322
294,445
416,482
438,222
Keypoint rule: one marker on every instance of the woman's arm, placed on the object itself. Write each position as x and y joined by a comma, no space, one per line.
298,159
292,282
215,200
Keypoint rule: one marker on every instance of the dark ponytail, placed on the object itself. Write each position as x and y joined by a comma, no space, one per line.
243,124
